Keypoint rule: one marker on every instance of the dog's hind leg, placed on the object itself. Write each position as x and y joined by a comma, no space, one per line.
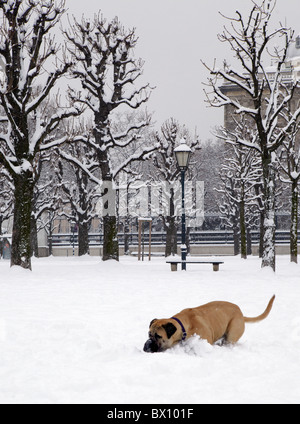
235,330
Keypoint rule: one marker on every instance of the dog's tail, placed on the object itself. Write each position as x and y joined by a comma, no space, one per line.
263,315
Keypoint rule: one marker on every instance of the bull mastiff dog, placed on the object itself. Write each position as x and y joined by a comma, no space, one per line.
221,322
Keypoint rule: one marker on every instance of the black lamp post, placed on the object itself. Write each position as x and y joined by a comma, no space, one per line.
183,153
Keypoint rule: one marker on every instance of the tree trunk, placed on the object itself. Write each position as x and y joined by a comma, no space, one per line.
294,224
110,226
83,238
110,238
171,228
21,247
268,257
126,235
258,189
188,241
34,238
261,233
1,241
243,230
236,240
171,236
249,242
50,243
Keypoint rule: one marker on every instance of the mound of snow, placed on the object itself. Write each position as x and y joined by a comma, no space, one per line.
194,346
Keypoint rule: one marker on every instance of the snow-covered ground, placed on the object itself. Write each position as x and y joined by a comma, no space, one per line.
73,331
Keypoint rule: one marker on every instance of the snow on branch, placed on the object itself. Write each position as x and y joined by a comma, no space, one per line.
26,47
105,64
42,132
249,90
70,158
139,156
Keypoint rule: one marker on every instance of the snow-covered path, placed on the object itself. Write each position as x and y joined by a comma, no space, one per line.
73,330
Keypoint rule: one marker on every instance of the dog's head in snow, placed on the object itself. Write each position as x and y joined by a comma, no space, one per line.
163,334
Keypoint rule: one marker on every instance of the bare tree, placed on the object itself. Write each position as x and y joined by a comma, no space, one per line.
240,174
262,99
26,50
289,164
80,192
166,167
6,199
108,71
46,200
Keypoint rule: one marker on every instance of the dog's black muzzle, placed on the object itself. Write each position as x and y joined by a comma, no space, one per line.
151,346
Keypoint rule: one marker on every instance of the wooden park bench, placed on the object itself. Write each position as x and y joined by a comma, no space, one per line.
175,262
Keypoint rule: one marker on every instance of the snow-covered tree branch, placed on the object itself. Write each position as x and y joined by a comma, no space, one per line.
80,190
166,170
240,174
289,165
102,52
30,72
6,199
253,92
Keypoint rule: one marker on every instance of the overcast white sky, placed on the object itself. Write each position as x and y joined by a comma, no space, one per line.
174,35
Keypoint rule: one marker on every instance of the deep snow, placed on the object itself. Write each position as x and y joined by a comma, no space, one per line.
73,330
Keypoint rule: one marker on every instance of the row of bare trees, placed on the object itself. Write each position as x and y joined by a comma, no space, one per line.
68,186
262,109
97,53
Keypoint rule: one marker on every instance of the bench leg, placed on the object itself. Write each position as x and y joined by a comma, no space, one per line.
173,267
216,267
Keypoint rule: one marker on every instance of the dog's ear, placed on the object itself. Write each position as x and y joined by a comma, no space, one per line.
170,329
155,319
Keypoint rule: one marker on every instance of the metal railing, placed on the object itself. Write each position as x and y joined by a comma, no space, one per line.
158,238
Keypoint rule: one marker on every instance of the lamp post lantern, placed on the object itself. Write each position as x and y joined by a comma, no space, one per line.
183,153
